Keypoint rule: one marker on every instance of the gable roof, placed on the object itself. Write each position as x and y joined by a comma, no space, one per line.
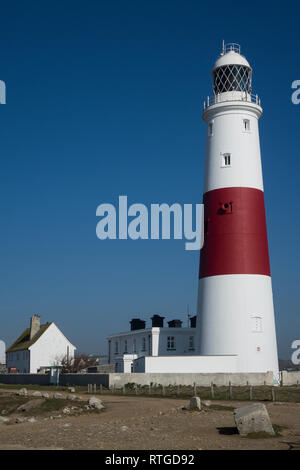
24,341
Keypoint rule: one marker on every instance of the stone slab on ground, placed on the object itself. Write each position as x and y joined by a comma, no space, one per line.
29,405
195,403
253,419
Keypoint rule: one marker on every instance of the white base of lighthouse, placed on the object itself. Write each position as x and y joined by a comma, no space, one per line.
236,316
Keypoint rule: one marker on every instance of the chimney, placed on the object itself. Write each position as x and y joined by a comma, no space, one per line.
175,323
137,324
35,324
157,321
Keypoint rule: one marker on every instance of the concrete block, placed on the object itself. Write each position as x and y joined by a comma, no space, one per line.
252,419
195,403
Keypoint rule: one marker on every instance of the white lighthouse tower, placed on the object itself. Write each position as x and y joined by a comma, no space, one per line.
235,301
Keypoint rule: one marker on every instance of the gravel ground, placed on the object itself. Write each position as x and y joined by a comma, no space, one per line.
134,423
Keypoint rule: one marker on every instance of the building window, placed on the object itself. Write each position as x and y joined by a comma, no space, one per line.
191,343
125,346
246,125
210,129
116,347
226,160
171,343
143,344
256,324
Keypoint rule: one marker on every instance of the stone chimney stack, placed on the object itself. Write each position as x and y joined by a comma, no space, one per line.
35,324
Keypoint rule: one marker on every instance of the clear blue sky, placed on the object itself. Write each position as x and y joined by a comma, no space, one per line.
105,98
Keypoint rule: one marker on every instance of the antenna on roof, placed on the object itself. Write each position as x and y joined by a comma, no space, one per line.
223,47
188,314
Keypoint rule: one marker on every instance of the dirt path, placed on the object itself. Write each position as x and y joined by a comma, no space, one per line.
149,423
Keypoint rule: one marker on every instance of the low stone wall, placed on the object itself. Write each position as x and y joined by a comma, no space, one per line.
25,379
118,380
203,380
84,379
290,377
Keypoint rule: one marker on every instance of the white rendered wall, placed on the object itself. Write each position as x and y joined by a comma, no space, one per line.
227,306
186,364
50,348
156,340
229,136
2,352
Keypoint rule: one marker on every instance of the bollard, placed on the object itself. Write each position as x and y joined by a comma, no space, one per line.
195,389
124,390
149,389
163,391
95,388
212,392
273,395
250,393
101,389
230,391
136,389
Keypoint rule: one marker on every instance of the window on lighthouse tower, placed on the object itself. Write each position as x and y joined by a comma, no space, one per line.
246,125
226,160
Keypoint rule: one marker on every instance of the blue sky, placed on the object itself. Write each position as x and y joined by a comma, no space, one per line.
105,98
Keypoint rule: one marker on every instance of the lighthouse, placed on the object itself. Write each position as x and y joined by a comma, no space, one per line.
235,301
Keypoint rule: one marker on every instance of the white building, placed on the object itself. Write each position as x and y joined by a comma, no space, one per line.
2,352
38,347
124,349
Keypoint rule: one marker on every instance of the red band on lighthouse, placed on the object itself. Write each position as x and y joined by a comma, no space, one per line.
235,233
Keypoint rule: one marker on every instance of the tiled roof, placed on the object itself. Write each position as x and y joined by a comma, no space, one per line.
24,341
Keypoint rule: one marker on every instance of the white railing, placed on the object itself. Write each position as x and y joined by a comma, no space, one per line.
231,46
231,96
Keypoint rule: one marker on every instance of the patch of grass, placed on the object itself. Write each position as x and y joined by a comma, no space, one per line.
258,435
9,403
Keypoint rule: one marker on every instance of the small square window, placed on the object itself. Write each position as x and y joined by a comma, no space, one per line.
171,342
210,129
256,324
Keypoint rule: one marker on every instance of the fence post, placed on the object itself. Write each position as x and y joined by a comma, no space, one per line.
230,391
163,391
212,392
124,390
149,389
273,395
195,389
101,389
95,388
136,389
250,393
